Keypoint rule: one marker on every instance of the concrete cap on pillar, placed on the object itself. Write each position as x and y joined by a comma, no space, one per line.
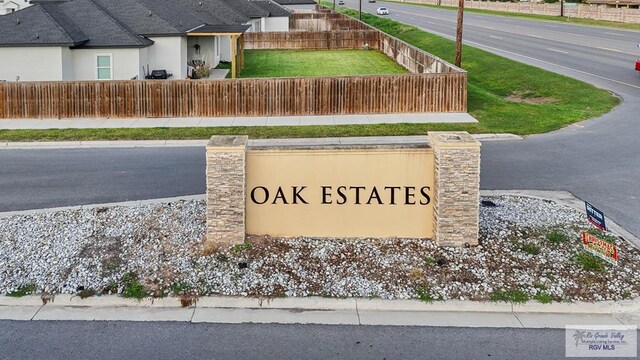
452,139
228,141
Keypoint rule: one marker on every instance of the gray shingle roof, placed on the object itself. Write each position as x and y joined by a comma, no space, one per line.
137,17
272,7
247,8
32,26
100,27
123,23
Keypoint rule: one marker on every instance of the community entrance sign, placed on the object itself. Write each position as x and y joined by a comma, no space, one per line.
425,189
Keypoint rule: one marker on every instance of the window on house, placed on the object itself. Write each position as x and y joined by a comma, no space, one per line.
104,69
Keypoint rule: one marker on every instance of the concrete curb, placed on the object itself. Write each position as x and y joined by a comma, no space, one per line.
567,199
316,310
101,144
93,206
494,137
163,143
321,303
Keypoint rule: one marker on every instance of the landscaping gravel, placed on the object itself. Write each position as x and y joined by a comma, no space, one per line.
529,249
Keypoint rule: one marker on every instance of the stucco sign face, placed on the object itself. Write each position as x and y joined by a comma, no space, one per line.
340,192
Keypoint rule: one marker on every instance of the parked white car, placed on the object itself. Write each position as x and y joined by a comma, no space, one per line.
382,11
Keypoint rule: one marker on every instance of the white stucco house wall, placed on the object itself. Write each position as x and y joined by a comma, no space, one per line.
104,40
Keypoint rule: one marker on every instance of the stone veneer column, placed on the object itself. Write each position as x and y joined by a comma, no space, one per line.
457,192
226,190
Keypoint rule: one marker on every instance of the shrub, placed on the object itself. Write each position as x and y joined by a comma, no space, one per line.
133,289
513,296
24,290
544,298
424,294
556,237
589,262
531,249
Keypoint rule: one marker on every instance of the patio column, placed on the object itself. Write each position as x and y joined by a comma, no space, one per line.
233,56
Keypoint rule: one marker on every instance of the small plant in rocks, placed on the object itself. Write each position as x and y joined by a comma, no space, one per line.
424,294
513,296
430,260
24,290
543,298
531,249
133,289
540,286
210,250
556,237
179,288
416,273
589,262
86,293
242,247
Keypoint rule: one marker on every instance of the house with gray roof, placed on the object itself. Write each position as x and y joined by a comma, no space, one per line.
9,6
71,40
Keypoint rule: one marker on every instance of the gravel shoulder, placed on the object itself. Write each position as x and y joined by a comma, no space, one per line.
530,249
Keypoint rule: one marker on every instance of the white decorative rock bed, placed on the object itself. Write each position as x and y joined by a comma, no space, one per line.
163,245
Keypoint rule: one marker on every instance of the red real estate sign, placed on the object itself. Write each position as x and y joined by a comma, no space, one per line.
600,248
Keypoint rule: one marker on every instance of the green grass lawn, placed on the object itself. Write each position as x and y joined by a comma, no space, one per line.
287,63
504,95
564,19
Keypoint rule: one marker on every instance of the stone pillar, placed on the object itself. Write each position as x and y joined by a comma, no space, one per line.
226,190
457,188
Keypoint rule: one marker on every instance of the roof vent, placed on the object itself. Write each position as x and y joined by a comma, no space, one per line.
37,36
18,21
149,13
200,3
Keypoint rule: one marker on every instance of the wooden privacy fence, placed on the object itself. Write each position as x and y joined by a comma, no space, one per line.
412,58
433,85
321,40
324,21
240,97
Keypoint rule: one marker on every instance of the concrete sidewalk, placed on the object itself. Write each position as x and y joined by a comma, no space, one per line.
104,123
312,310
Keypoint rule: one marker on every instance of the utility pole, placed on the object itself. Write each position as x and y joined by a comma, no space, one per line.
360,10
561,8
459,33
334,5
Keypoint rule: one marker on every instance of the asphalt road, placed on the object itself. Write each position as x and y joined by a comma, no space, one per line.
131,340
32,179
